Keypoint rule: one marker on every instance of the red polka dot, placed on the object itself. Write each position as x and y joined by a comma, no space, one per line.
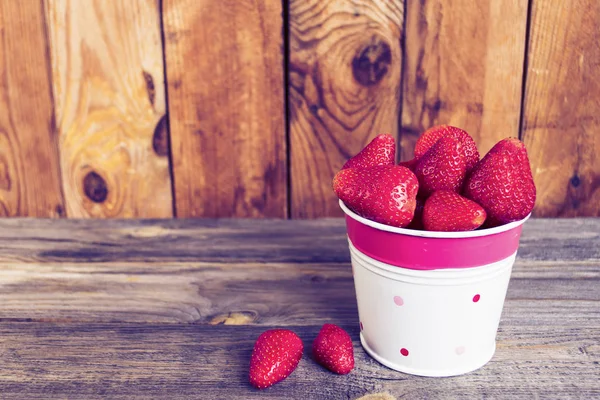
476,298
361,326
404,352
398,300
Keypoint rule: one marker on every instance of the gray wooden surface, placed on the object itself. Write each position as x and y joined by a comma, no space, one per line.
171,309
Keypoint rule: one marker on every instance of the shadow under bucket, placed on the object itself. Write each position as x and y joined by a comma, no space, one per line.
429,303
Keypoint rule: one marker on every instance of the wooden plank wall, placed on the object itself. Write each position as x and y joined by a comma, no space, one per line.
30,183
464,67
344,87
561,120
246,108
225,77
109,98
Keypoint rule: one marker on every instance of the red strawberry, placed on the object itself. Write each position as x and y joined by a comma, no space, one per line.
380,151
333,349
448,211
444,166
276,355
410,164
502,183
348,188
432,135
385,193
417,221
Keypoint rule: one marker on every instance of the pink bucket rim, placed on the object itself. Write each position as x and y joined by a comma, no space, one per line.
432,234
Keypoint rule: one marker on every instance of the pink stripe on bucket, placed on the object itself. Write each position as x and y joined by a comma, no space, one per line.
424,250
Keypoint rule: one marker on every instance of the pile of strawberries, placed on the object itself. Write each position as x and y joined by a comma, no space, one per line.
445,187
277,353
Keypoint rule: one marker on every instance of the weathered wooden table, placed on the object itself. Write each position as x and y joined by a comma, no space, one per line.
171,309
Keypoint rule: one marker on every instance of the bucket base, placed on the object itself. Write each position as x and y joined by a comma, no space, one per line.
422,372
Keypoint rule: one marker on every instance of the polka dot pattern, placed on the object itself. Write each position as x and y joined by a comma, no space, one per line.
398,300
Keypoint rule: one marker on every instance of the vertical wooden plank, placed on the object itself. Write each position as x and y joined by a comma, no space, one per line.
29,168
344,88
464,67
561,124
226,102
108,83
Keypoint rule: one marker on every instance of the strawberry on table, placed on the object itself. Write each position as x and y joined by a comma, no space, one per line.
333,349
447,211
502,183
442,167
432,135
385,194
276,355
380,151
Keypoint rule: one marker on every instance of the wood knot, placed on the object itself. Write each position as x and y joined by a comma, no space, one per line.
378,396
235,318
371,63
94,187
160,139
150,89
575,181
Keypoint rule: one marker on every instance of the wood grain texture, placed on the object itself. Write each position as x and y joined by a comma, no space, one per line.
344,89
212,272
173,241
562,104
29,166
226,102
137,324
125,361
321,241
241,240
464,67
242,293
107,75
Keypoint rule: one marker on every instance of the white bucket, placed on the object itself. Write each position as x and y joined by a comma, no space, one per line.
440,322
